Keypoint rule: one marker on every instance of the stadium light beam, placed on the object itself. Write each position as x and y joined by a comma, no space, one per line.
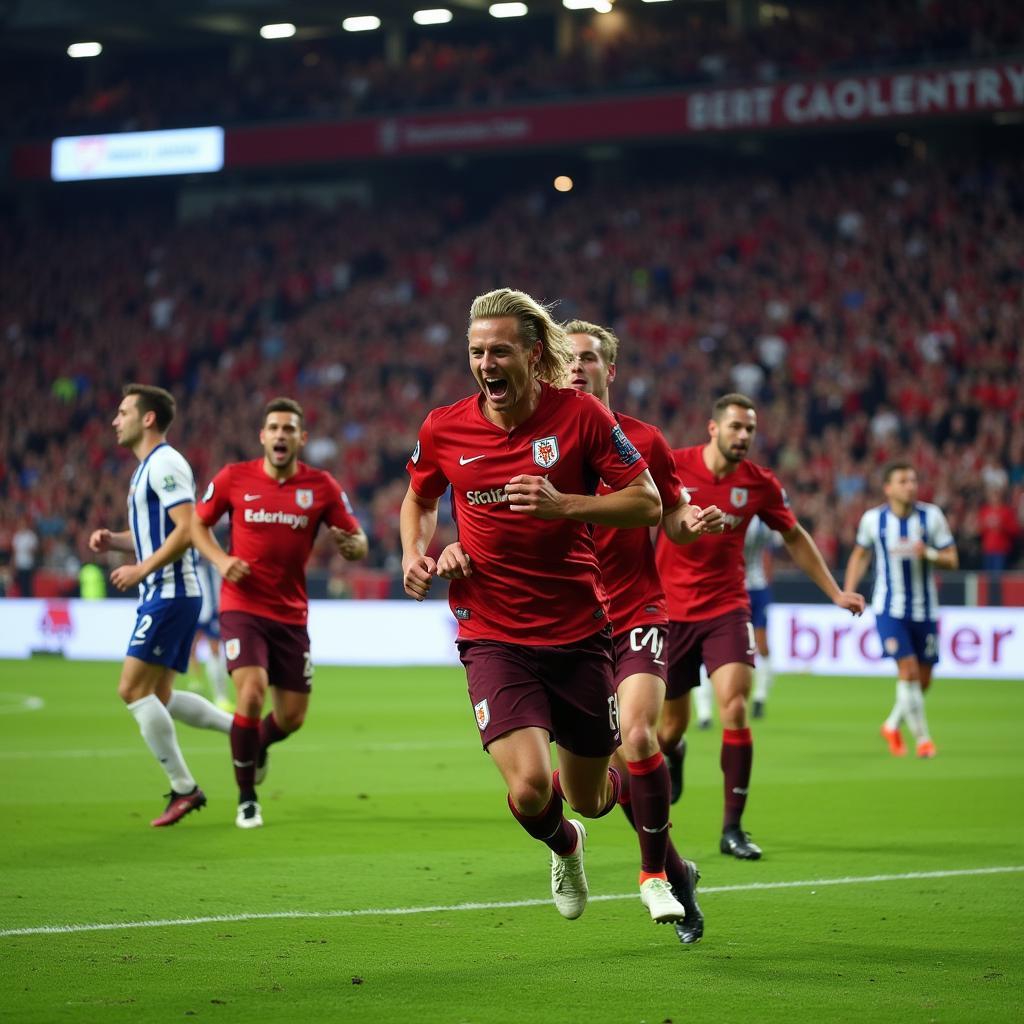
508,10
77,50
600,6
284,30
433,16
361,23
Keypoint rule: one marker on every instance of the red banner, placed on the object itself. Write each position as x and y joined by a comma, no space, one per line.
979,88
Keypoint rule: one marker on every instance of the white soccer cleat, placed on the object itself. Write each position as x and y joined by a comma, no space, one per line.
249,815
657,896
568,882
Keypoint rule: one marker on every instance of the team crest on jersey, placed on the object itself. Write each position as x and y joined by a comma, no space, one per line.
304,497
626,449
738,497
232,649
545,452
169,483
483,714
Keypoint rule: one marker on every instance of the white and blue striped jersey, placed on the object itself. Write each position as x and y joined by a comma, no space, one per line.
904,585
759,538
163,479
209,579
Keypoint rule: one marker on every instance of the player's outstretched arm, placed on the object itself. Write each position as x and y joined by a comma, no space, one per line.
351,546
806,555
417,523
106,540
686,523
856,565
229,567
177,543
636,504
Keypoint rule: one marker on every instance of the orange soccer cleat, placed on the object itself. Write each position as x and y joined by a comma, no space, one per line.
895,740
926,748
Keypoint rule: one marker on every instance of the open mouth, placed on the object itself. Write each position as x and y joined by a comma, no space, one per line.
497,387
580,383
280,450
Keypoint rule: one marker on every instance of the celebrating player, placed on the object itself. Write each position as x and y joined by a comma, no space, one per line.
640,624
160,504
523,458
708,607
276,505
907,538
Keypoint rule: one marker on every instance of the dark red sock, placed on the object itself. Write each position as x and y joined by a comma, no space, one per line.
649,795
271,732
245,748
737,759
550,826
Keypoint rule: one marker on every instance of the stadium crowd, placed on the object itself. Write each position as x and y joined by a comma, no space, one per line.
869,313
332,79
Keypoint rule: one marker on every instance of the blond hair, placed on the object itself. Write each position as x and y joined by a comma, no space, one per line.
533,323
607,340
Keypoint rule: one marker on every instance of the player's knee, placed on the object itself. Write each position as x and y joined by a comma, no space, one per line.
131,690
290,721
530,795
639,741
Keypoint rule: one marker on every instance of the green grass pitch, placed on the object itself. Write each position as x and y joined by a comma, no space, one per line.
383,818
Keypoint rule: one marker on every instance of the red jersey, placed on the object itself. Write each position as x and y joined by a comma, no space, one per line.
535,581
626,554
708,577
273,526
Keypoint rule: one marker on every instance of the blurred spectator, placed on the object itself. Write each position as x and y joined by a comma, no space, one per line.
998,529
25,546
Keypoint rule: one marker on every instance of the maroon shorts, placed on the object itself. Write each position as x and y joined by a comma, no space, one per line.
726,639
568,690
641,649
279,647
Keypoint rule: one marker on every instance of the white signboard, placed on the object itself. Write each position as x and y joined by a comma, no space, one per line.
137,154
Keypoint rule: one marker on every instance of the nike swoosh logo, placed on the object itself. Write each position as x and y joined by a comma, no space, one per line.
654,831
242,764
463,461
251,497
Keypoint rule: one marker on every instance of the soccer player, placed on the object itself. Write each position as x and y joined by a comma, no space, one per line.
209,628
709,611
523,457
276,505
640,624
161,500
907,538
757,555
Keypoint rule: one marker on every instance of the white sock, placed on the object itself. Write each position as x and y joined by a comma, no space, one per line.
217,673
914,713
157,730
763,677
704,698
192,709
899,708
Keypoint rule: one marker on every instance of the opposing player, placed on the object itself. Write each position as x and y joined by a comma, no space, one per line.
708,607
161,500
208,628
640,624
276,505
523,457
908,539
757,556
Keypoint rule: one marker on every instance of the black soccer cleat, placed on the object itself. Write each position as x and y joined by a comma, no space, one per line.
691,928
674,759
736,843
758,709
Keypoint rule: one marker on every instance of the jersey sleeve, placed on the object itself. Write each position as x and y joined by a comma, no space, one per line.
663,470
865,531
605,446
216,500
939,534
338,509
775,511
170,476
425,475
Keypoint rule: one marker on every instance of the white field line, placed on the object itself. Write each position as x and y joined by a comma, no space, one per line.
311,915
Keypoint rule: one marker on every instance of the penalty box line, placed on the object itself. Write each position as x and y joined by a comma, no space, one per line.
313,915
